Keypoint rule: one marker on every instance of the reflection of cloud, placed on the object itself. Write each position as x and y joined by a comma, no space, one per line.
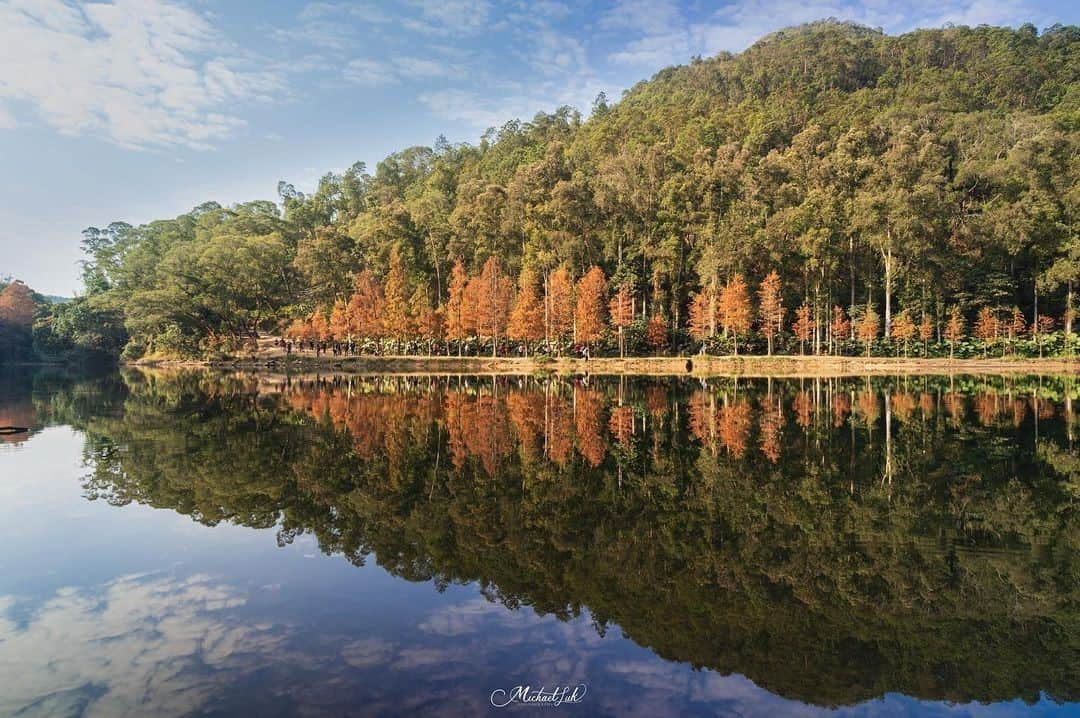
367,652
137,642
459,619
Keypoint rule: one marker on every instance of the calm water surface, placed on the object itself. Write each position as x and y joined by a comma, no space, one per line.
199,544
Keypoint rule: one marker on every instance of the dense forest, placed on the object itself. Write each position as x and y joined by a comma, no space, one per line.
830,189
831,540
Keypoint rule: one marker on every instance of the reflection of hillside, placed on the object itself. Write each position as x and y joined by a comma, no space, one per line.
832,541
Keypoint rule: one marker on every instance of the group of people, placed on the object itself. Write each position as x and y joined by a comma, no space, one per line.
350,348
320,348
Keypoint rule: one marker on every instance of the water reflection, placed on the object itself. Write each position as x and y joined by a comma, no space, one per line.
832,540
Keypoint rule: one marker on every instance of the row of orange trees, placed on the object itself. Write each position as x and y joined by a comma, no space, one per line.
485,307
550,310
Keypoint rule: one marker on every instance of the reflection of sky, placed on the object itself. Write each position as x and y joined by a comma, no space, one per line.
108,611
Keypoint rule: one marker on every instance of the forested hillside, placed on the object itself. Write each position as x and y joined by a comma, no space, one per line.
831,188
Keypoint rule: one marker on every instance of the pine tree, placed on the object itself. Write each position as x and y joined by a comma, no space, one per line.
591,310
734,309
770,308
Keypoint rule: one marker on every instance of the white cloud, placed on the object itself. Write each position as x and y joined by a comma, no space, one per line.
369,73
141,72
554,53
377,73
654,51
416,67
360,11
332,26
500,102
653,17
665,37
451,17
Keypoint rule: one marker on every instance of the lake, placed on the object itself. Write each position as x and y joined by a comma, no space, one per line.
191,543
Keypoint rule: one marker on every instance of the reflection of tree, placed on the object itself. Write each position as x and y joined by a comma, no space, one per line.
957,580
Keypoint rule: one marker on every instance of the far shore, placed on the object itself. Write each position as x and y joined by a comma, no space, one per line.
694,365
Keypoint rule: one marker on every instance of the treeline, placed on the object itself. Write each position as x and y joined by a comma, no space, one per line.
924,180
486,310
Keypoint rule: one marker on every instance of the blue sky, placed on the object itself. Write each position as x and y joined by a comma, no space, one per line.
139,109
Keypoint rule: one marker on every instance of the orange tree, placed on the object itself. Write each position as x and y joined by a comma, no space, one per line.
734,309
590,311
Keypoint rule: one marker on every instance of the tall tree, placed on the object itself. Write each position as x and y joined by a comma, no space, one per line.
493,302
803,327
457,329
771,308
734,309
367,307
590,312
527,316
869,327
559,305
702,317
621,309
840,326
396,318
954,329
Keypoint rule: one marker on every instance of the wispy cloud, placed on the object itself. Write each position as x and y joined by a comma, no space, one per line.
662,34
331,26
143,73
368,73
451,17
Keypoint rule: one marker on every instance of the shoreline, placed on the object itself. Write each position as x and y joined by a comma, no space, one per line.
700,365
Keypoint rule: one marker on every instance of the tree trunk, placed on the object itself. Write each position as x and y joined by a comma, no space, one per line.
887,254
1069,310
1037,296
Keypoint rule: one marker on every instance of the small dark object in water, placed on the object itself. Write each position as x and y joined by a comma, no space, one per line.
689,365
4,430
